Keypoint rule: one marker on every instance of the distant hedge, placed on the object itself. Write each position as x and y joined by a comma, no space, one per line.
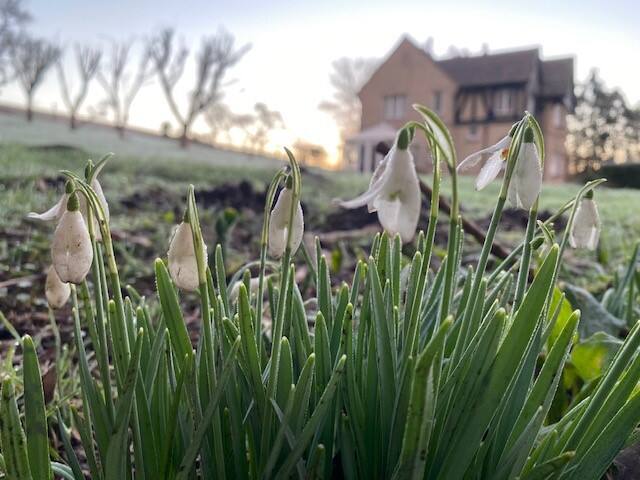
626,175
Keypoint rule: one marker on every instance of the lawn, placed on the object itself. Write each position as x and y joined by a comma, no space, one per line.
146,197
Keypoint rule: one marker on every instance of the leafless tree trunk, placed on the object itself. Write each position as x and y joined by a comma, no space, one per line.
216,56
88,62
120,84
347,78
12,18
31,59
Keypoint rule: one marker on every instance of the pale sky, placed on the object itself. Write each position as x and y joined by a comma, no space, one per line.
294,44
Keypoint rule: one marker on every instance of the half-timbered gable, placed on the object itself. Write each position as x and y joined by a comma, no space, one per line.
479,97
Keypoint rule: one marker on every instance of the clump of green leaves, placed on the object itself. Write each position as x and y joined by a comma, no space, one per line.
407,371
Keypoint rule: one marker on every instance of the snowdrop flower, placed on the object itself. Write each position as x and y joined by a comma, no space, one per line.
235,290
279,224
71,249
586,224
183,265
526,181
394,191
55,212
56,291
494,158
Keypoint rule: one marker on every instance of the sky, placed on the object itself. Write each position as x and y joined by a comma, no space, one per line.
294,43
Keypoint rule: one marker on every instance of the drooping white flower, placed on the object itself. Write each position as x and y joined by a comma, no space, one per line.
494,158
526,181
183,265
71,249
56,291
253,288
394,191
585,230
55,212
279,224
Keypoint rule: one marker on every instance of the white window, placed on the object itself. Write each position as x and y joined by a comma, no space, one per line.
395,107
503,102
437,101
555,168
558,117
473,133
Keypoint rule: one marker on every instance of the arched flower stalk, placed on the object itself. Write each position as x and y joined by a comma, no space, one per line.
264,245
286,277
55,212
119,324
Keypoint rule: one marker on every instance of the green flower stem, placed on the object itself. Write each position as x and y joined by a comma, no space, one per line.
122,347
452,246
486,247
205,307
523,273
264,244
278,323
416,303
525,260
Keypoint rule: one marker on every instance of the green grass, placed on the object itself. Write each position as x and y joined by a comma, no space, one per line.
161,182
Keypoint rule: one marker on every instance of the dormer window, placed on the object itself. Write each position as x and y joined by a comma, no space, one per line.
437,101
395,107
503,102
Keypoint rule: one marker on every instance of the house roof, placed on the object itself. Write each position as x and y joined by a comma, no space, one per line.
492,69
557,77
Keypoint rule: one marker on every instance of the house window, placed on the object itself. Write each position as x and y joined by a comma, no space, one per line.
503,102
558,117
437,101
394,107
473,133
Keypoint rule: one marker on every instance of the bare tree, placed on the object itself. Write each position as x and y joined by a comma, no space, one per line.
88,62
31,59
217,55
265,121
222,121
12,17
309,154
120,83
347,78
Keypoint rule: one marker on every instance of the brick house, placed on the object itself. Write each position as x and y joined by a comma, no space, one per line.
478,97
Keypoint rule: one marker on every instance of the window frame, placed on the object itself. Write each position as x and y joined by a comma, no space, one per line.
394,106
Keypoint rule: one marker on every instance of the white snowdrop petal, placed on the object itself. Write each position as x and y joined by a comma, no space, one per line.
183,266
399,203
278,229
54,213
235,290
475,158
586,226
56,291
71,249
526,182
489,170
376,178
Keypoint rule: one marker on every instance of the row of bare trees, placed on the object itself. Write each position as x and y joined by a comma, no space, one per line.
123,68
